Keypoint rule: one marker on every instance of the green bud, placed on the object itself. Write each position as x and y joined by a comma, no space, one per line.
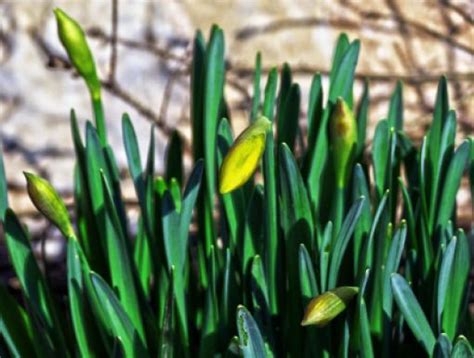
74,41
324,308
49,203
343,130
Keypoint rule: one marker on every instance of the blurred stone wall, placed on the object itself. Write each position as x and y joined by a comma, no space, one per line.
409,40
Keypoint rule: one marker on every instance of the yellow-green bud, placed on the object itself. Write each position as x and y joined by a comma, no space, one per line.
243,157
49,203
325,307
343,130
74,41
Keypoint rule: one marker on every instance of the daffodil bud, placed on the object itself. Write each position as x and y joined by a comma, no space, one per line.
74,41
343,130
325,307
49,203
242,158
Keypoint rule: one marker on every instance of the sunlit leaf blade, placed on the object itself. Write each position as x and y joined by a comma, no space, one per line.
395,112
342,240
452,182
115,317
412,312
362,118
256,87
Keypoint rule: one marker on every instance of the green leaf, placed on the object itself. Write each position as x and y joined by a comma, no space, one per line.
462,348
260,297
380,156
116,319
120,262
395,112
251,341
174,158
167,334
308,283
315,109
342,81
451,183
362,118
270,194
84,329
412,312
176,222
33,283
365,338
342,240
360,188
252,243
443,347
256,87
391,266
15,326
214,87
288,117
444,277
324,254
457,286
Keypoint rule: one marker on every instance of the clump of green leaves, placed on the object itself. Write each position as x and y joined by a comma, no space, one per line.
369,249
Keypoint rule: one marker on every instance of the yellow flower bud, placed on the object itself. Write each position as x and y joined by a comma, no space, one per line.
242,159
325,307
49,203
74,41
343,129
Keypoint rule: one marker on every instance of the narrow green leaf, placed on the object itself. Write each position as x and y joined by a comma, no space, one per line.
444,277
443,347
451,183
362,118
395,112
365,338
380,156
15,326
270,194
84,330
256,88
32,282
174,158
308,283
412,312
342,82
288,117
457,286
462,348
251,341
391,266
117,320
342,241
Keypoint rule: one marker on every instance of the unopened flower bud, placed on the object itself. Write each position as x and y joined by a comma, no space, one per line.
74,41
343,130
325,307
244,155
49,203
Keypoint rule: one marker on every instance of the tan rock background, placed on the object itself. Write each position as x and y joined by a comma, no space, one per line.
414,41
